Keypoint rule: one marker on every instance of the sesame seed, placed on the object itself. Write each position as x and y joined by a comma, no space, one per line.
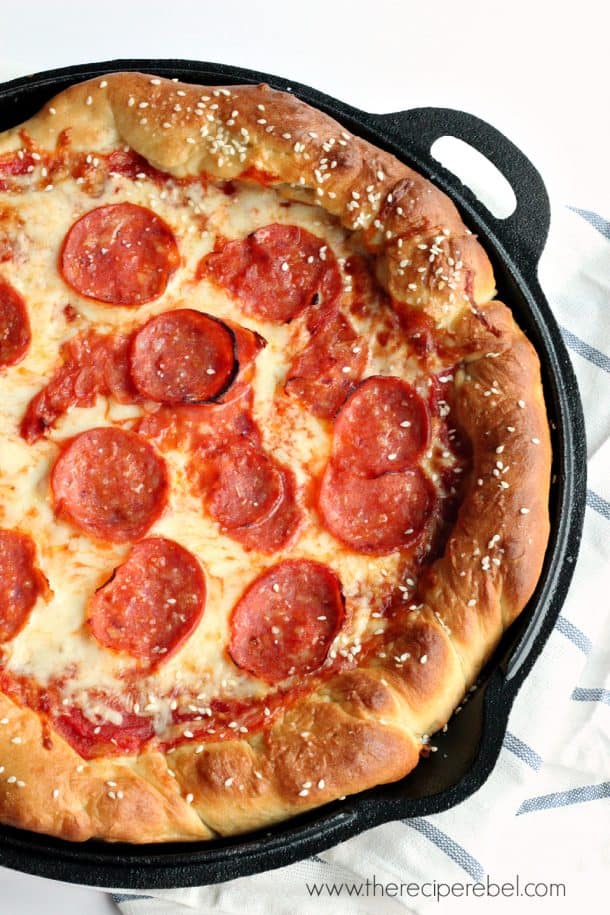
189,798
524,511
11,779
303,792
423,659
16,740
228,782
521,404
55,793
535,441
472,602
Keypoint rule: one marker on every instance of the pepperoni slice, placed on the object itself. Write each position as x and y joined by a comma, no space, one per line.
276,272
274,530
204,426
15,163
247,486
121,254
329,368
376,515
20,582
15,336
248,344
253,498
285,622
93,737
132,165
183,356
383,427
152,603
93,364
110,483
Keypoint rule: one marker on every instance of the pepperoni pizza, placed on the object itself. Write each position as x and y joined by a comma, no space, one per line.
274,462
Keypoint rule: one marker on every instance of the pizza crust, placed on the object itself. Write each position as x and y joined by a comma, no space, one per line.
367,726
46,787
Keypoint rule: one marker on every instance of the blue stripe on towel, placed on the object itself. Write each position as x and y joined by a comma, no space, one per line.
594,694
574,634
598,222
601,506
565,798
584,349
521,749
451,848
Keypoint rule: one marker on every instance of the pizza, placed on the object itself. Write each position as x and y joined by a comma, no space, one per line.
274,462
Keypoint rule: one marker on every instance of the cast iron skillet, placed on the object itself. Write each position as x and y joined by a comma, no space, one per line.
468,751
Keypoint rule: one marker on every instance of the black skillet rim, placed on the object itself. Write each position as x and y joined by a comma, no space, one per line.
185,864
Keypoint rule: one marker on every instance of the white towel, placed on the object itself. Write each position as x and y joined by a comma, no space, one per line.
543,814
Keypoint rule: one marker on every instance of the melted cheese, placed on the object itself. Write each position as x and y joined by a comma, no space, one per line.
55,640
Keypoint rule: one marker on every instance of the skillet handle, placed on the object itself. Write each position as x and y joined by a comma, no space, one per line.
524,232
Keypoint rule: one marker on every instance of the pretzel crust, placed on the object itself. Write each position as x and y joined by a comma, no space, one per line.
363,727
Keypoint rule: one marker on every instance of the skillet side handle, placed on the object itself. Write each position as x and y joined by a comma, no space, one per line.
525,231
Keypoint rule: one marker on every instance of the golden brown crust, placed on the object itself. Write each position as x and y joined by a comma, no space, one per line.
366,726
493,558
45,786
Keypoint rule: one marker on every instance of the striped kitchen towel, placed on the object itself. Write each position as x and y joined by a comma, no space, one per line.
543,815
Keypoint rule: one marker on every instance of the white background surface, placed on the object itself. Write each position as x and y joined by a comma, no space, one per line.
536,70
